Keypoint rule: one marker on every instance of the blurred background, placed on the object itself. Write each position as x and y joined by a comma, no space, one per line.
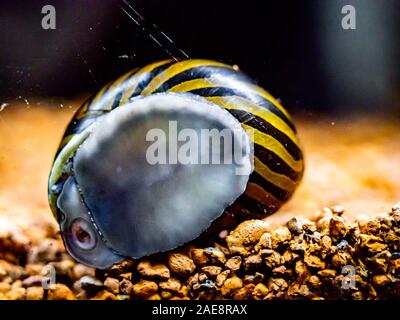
341,86
297,50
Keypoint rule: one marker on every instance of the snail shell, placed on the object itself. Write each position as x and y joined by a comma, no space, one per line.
112,203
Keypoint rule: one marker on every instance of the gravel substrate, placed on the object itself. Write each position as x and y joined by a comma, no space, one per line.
324,259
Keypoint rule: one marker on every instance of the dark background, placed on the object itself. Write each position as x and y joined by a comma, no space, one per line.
296,49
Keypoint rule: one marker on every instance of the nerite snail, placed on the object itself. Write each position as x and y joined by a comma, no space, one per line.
112,203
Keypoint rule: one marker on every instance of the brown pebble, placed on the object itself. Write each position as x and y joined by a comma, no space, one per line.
314,282
34,293
304,291
314,261
277,284
80,293
202,277
369,227
219,281
121,267
327,273
215,254
199,257
339,210
184,291
4,287
252,262
244,293
274,260
47,250
234,263
112,285
179,298
16,294
145,288
381,280
340,259
280,237
34,269
172,284
381,261
298,225
153,270
104,295
181,264
3,272
326,245
358,295
166,295
253,278
245,235
125,286
126,275
372,243
193,280
80,270
279,271
91,284
154,297
231,285
298,245
16,273
289,257
338,227
260,291
211,271
60,292
265,242
64,268
396,267
222,248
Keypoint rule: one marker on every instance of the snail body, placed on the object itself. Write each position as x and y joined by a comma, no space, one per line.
111,203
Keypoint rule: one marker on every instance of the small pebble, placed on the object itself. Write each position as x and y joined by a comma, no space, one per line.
126,286
34,293
60,292
234,263
215,254
245,235
91,284
145,288
231,285
153,270
260,291
80,270
112,285
212,271
172,284
181,264
199,257
104,295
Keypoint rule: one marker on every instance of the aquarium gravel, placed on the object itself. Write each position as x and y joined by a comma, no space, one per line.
328,258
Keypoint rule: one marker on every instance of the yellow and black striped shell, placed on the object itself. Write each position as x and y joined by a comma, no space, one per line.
277,158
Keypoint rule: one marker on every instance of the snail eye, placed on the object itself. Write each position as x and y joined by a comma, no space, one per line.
82,235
